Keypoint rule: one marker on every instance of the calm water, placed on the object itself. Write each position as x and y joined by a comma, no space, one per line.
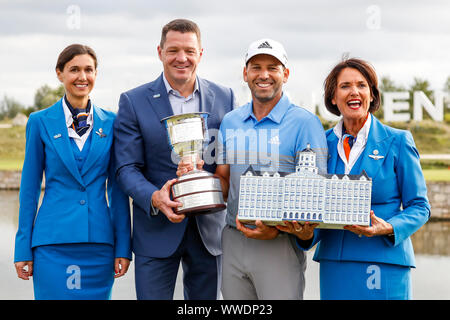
431,278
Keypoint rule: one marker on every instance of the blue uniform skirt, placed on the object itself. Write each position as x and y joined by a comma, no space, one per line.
348,280
82,271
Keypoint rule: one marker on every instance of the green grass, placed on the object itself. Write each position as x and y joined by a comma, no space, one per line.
12,147
437,174
11,164
430,137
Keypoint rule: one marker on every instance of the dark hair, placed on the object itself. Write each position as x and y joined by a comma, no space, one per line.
74,50
368,73
180,25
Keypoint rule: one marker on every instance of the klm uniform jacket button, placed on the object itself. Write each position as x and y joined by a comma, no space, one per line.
82,189
82,202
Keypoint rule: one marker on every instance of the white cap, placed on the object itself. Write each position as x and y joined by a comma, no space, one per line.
267,46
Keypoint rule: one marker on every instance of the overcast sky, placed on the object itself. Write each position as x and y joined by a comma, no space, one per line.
402,39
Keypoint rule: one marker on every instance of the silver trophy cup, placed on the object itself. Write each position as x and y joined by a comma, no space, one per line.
199,191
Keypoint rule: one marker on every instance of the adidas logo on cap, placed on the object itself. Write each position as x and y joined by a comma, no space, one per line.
265,45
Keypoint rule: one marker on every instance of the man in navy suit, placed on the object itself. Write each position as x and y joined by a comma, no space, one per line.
145,171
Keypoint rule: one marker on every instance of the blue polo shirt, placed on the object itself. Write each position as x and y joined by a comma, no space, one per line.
271,144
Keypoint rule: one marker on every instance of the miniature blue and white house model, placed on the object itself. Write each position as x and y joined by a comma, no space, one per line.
331,200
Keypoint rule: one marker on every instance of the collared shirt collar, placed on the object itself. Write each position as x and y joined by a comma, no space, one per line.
275,115
171,90
362,135
358,146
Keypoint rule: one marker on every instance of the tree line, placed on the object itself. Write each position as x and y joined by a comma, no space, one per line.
45,96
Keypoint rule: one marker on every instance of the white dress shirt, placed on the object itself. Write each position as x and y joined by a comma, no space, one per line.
181,104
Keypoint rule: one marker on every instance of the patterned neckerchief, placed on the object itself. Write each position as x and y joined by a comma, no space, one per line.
79,117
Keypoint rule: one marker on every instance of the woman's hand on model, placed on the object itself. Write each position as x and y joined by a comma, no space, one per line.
24,269
378,227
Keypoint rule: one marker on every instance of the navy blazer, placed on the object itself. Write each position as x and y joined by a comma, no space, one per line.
74,208
144,163
399,196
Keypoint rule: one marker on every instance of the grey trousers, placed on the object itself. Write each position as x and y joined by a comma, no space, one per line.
261,269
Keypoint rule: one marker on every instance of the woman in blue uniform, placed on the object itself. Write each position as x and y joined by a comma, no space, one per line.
78,240
368,262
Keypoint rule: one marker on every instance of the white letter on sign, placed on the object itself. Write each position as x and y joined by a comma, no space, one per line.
390,106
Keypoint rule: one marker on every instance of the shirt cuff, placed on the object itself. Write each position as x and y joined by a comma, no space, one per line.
153,210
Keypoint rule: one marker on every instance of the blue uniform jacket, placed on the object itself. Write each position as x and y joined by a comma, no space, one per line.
77,207
399,196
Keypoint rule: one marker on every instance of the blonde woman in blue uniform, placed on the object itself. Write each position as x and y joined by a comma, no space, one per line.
78,240
368,262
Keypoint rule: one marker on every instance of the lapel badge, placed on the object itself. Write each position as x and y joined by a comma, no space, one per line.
56,136
100,133
156,95
375,155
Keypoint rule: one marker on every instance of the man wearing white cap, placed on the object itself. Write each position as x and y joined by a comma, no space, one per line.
267,133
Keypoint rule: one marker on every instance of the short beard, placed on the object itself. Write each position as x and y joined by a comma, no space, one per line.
265,99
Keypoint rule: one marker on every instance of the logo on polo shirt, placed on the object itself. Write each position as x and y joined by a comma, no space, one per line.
275,140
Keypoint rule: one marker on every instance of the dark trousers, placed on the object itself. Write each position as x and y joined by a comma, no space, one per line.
155,277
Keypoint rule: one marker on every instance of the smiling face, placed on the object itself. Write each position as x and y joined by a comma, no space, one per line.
180,56
78,77
265,76
352,95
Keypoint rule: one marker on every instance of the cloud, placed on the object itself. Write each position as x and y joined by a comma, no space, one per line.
402,39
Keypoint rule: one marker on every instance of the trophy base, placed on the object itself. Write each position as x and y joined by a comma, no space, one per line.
200,192
196,211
